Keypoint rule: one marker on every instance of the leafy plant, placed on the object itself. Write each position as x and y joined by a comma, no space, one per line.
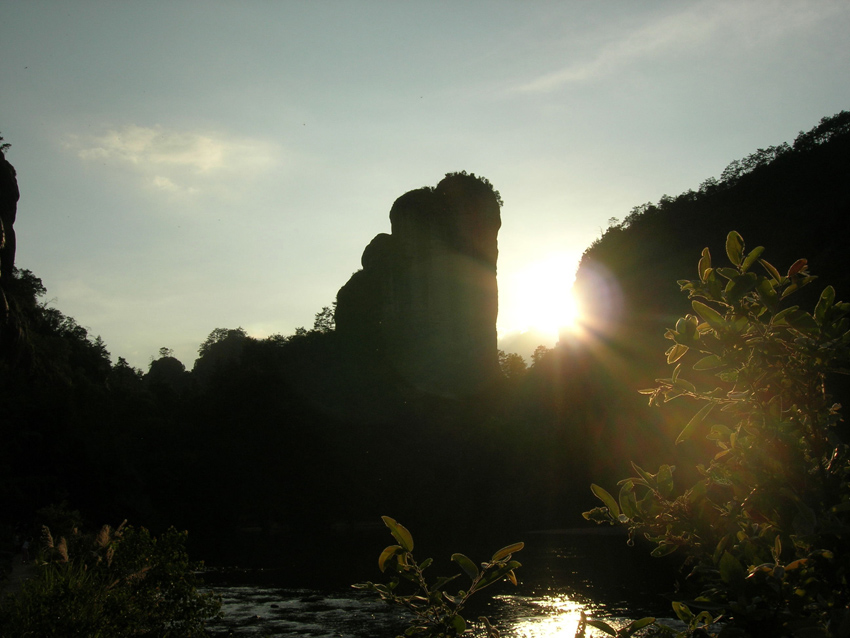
122,582
624,632
765,525
437,612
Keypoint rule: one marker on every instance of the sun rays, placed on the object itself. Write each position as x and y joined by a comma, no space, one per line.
539,297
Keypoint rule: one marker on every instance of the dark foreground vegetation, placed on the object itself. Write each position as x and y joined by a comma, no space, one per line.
312,436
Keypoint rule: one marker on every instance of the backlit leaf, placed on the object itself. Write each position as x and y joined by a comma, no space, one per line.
797,266
641,623
399,532
696,419
740,286
507,551
459,624
714,318
767,294
646,476
602,626
663,550
628,501
827,298
735,247
388,553
731,570
780,317
682,611
710,362
676,352
728,273
704,264
665,480
606,498
771,270
755,253
802,321
466,565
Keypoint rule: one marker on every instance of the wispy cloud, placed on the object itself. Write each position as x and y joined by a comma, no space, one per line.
682,32
176,161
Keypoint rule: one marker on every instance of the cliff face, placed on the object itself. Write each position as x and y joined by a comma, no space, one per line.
9,196
426,298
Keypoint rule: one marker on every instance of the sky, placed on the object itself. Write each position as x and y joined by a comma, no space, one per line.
189,165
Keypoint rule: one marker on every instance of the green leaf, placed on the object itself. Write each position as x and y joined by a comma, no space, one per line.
771,270
640,624
755,253
442,581
399,532
714,318
664,549
646,476
676,352
603,626
606,498
728,273
767,294
802,321
628,501
665,479
710,362
459,624
731,570
696,419
466,565
740,286
682,611
780,317
718,432
388,553
495,575
827,299
704,264
735,247
507,551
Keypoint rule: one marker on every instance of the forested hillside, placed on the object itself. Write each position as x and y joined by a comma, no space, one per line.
793,198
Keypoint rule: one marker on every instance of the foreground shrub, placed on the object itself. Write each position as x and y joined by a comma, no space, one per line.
123,582
765,528
437,613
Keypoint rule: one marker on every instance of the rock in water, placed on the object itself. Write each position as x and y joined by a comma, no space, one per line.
426,298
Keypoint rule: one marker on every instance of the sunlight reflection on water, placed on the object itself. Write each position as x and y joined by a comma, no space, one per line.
542,617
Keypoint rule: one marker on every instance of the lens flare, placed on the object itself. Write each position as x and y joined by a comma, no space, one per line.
539,297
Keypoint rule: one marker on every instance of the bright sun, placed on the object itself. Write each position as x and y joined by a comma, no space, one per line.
539,296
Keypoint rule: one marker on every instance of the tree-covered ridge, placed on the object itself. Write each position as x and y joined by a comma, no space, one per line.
827,131
795,197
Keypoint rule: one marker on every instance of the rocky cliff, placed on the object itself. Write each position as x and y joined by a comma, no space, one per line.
426,298
9,196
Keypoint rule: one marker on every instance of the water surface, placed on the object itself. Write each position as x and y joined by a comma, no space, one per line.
563,574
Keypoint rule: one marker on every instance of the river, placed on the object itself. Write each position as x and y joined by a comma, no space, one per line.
564,573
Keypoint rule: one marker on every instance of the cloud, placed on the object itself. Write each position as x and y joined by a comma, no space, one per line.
684,31
174,161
